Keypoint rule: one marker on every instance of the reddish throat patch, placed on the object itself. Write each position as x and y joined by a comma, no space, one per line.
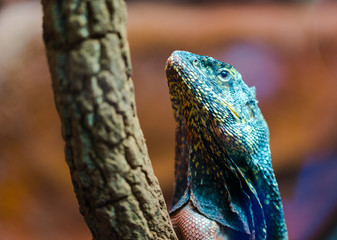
189,224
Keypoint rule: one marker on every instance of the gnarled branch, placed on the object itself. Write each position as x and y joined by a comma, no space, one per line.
88,57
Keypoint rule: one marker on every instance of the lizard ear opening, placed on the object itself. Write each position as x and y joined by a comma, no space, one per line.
253,90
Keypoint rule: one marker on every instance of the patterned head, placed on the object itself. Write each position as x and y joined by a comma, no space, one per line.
212,98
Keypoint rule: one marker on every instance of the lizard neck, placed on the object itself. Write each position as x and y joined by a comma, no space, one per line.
220,185
206,176
268,191
259,175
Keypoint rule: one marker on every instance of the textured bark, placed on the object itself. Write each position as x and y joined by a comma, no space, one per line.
88,57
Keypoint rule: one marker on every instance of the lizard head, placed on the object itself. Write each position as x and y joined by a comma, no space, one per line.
213,100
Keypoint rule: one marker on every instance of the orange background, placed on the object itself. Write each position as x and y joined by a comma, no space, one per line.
288,51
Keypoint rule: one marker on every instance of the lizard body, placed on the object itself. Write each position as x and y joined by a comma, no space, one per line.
225,184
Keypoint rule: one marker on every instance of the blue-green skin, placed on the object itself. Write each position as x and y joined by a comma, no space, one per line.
223,162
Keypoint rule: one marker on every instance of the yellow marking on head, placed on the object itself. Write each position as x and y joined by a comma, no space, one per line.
233,111
231,108
233,72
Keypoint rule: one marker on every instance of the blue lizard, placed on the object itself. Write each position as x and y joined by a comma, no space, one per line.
225,184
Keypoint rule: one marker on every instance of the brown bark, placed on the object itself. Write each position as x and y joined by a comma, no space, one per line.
88,57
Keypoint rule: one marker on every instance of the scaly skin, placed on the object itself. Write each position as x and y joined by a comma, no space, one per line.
225,184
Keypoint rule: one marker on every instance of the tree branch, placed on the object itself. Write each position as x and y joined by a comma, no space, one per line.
88,57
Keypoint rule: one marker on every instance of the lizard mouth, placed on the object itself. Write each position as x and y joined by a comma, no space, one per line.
173,63
170,61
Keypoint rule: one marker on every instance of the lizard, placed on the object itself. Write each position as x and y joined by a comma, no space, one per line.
225,186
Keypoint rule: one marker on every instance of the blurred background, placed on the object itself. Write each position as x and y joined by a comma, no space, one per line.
287,49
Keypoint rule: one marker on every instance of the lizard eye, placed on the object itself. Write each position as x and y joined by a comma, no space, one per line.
224,75
195,63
